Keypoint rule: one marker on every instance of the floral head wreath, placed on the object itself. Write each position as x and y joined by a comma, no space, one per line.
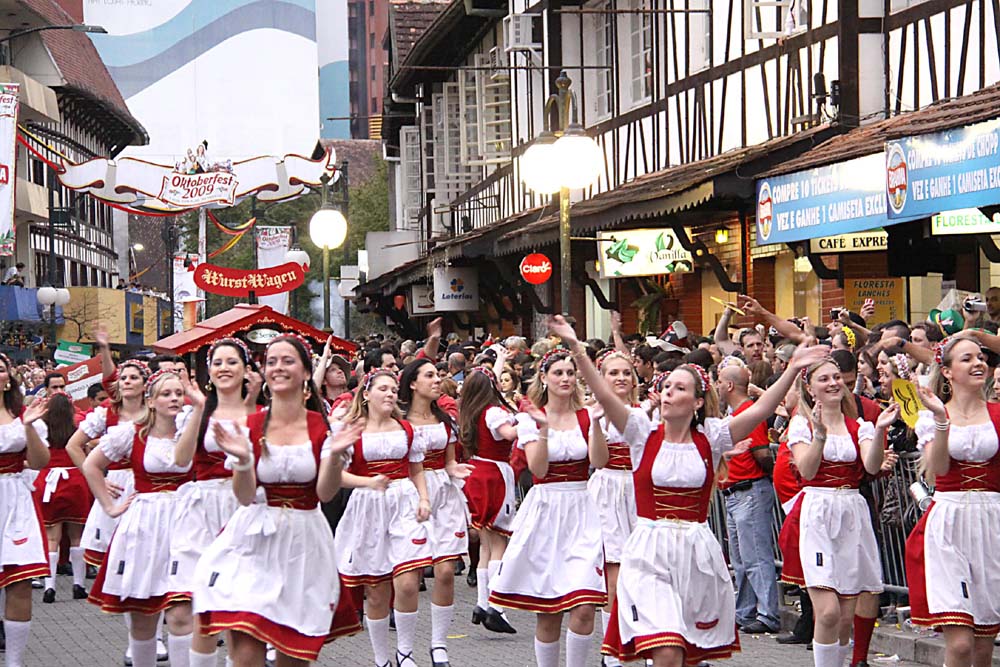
370,376
902,366
551,357
137,364
731,360
702,375
939,351
489,375
300,338
611,354
852,340
656,382
156,377
236,342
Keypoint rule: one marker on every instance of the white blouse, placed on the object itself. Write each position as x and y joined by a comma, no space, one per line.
638,423
568,445
116,444
210,443
291,464
13,438
384,446
838,448
95,424
431,437
974,443
677,464
496,417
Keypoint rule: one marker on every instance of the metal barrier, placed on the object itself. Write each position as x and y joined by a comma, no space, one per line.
894,515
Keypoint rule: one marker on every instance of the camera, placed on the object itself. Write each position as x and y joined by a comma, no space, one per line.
835,314
974,304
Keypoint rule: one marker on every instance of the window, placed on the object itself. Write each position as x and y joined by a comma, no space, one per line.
641,43
484,112
409,149
371,7
605,60
700,29
451,175
371,39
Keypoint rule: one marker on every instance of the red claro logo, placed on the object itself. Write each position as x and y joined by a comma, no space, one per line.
765,213
896,177
536,268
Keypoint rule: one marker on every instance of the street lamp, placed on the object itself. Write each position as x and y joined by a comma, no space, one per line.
52,297
75,27
327,229
562,158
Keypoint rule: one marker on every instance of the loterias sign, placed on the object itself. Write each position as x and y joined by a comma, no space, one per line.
240,282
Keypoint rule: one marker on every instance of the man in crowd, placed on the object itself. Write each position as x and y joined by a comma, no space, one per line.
13,275
456,367
752,344
96,395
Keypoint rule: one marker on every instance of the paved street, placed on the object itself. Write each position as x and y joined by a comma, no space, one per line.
75,633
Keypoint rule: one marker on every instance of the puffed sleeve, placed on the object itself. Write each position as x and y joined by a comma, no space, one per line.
417,448
799,431
527,430
637,431
718,434
182,417
95,423
924,428
42,429
117,442
497,417
866,430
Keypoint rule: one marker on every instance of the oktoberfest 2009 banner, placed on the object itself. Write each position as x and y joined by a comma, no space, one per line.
8,142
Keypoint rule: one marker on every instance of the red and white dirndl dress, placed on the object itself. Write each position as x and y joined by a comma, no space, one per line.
489,490
613,491
827,540
23,545
379,536
271,573
135,574
60,488
99,527
555,559
953,553
674,587
204,507
449,523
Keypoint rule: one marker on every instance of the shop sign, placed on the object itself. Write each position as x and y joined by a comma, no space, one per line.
827,201
421,299
944,171
860,242
240,282
964,221
262,336
456,289
536,268
68,353
641,252
889,295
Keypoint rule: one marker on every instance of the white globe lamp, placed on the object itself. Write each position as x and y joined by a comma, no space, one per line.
328,228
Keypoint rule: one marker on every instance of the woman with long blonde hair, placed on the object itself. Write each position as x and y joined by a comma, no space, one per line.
827,538
134,577
555,560
953,553
382,540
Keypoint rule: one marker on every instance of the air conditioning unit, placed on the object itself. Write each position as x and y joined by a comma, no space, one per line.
498,64
518,32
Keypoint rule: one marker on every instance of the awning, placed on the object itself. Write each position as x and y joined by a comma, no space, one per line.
241,318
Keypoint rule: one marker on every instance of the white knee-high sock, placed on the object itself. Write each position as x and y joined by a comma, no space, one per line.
826,655
179,648
609,660
845,653
17,641
493,568
406,631
143,651
577,648
203,659
378,633
78,565
482,587
547,653
440,622
50,581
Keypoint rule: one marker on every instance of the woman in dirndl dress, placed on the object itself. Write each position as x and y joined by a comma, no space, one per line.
448,525
675,603
270,577
555,560
22,536
205,505
62,493
953,553
382,540
827,539
134,577
487,431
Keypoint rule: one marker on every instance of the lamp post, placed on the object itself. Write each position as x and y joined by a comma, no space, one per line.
75,27
562,157
299,256
327,229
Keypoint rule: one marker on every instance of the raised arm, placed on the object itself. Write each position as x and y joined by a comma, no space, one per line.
936,451
319,373
921,354
616,332
38,449
188,442
784,328
433,342
722,340
102,343
244,474
873,452
331,465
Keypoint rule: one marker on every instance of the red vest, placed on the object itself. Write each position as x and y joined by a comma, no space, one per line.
435,459
843,474
299,496
59,458
489,447
391,468
682,504
619,456
970,475
111,418
570,471
149,482
12,462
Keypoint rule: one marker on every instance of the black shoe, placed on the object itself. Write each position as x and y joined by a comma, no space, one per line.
440,663
37,583
49,596
756,628
478,615
792,638
459,567
405,659
3,638
79,592
423,586
472,578
392,619
495,622
64,569
91,572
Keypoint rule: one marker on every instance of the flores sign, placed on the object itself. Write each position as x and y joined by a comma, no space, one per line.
536,268
238,282
456,289
641,252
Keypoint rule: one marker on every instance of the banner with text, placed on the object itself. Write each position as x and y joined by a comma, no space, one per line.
239,282
456,289
272,244
641,252
836,199
9,106
889,295
930,173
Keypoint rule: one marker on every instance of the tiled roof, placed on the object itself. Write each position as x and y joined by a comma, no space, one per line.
360,155
408,20
80,65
